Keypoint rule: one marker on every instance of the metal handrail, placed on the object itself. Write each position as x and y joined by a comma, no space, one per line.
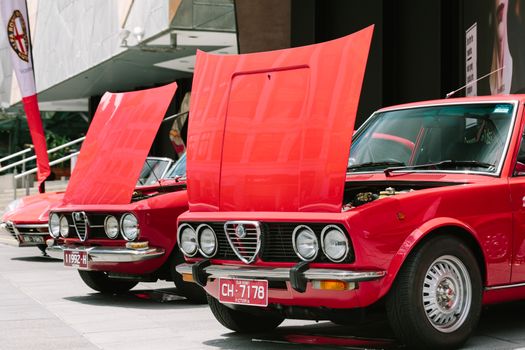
19,153
52,150
55,162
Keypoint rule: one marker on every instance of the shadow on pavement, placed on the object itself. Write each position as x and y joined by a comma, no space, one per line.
503,322
38,259
138,299
318,336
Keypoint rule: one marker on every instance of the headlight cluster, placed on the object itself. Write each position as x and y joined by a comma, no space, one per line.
203,240
334,243
128,226
58,225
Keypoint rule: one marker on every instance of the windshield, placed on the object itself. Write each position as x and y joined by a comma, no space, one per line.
178,169
471,136
153,170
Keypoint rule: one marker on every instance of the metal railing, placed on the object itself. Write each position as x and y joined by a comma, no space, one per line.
23,175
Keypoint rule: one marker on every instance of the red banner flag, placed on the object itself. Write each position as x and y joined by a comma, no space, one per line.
16,23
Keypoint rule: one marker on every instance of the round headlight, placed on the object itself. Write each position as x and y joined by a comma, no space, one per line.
111,226
54,225
335,243
64,226
207,241
305,243
187,238
129,226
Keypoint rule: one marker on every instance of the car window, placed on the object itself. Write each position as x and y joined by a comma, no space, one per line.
416,136
178,169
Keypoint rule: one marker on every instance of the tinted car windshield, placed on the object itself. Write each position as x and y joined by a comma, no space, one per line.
471,136
178,169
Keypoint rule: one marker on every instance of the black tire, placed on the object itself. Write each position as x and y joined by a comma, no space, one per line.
100,282
192,291
455,296
242,322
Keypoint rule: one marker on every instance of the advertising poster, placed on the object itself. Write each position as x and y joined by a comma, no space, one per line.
498,27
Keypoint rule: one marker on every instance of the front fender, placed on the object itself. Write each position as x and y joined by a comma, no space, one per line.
412,241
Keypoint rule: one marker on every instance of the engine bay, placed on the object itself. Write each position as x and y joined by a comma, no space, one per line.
357,194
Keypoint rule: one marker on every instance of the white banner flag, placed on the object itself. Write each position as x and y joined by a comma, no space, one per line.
14,15
16,24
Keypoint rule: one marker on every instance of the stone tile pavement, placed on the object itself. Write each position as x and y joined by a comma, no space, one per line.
46,306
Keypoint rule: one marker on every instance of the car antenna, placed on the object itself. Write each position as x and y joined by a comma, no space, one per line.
450,94
174,116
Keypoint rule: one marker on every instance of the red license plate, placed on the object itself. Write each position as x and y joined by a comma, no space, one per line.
74,258
244,292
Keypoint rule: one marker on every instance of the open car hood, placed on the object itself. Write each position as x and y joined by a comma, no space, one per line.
116,146
271,131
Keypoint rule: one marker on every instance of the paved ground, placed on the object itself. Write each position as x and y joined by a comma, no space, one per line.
45,306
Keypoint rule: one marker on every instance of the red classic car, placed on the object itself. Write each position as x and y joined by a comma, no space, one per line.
423,215
114,234
26,218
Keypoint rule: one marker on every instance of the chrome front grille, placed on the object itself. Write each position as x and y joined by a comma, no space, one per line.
80,223
244,238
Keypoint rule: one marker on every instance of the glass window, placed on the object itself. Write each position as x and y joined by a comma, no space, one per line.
471,136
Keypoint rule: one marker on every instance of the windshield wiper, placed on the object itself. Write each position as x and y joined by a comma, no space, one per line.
376,164
442,164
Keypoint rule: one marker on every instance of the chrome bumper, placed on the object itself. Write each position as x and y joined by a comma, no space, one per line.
4,231
108,254
282,273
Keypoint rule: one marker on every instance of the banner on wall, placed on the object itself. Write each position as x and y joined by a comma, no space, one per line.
16,26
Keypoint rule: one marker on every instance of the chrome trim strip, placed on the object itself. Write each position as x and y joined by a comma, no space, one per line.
516,285
283,273
32,226
108,254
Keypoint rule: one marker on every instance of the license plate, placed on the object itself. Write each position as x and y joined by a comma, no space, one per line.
31,239
243,292
74,258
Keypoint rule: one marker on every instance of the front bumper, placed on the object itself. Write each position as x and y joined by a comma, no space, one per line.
282,273
297,286
5,231
27,235
102,255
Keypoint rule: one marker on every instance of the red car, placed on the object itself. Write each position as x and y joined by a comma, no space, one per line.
424,216
114,234
26,218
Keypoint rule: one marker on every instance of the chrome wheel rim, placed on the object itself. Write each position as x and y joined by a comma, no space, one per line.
447,293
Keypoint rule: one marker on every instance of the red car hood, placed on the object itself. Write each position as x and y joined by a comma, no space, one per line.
116,146
34,209
271,131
